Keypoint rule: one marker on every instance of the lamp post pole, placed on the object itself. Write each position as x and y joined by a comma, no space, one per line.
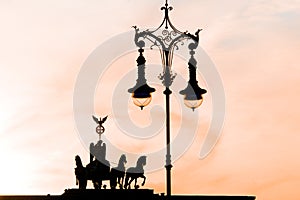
167,38
168,166
167,79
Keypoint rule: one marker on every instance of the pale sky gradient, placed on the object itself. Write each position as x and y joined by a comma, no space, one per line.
254,44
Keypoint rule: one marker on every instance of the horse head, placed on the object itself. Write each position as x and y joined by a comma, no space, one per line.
141,161
78,161
123,159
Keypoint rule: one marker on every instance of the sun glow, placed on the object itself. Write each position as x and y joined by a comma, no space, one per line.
15,171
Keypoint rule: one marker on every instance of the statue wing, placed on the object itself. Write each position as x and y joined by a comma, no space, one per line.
92,152
95,119
104,119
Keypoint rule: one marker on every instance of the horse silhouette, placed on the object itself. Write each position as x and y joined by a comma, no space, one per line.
98,171
133,173
80,173
117,174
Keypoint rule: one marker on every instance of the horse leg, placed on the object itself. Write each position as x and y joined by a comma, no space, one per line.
126,182
135,184
82,183
121,182
100,184
95,184
129,182
116,180
112,182
144,177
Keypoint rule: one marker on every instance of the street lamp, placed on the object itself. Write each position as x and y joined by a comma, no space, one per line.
192,93
141,92
167,38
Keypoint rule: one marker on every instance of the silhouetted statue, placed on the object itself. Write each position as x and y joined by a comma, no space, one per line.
117,174
80,173
133,173
98,171
98,151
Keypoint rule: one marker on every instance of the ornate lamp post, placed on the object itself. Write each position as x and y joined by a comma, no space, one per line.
167,38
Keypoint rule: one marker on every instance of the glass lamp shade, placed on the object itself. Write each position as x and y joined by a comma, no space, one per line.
141,95
193,104
141,102
193,95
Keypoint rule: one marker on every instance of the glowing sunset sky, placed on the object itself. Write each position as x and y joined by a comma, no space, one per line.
254,45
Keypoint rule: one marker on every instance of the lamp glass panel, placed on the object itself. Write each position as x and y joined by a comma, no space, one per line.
141,102
193,103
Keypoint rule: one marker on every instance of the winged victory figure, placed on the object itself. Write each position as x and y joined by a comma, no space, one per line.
100,128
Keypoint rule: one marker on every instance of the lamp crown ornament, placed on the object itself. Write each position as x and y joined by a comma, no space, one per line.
167,38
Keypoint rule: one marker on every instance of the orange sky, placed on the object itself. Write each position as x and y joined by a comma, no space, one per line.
254,45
